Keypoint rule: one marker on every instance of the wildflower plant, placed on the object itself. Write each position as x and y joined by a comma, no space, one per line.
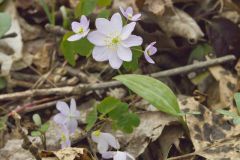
112,41
41,129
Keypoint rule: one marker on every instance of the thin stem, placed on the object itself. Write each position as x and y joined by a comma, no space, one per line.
138,50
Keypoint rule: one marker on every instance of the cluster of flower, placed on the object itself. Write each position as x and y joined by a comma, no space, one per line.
112,40
67,119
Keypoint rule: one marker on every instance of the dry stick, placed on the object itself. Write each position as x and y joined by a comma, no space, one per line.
27,144
83,88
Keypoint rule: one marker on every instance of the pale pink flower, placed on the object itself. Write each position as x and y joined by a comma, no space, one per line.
149,51
104,140
67,116
128,13
80,29
113,41
117,155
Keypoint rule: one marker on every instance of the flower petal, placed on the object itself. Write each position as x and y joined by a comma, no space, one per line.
111,140
59,118
104,26
102,146
108,155
132,40
72,125
76,26
73,106
124,53
97,38
148,58
100,53
75,37
130,157
127,30
122,11
120,156
152,50
136,17
114,61
84,22
95,138
129,11
116,23
63,107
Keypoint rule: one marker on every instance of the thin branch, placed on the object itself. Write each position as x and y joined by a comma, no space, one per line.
83,88
27,144
10,35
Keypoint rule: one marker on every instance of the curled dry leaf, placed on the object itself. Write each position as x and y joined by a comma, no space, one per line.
67,154
150,128
220,95
15,43
181,24
211,133
169,137
13,150
157,7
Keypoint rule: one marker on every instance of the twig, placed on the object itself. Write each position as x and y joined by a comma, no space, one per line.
27,144
83,88
58,30
10,35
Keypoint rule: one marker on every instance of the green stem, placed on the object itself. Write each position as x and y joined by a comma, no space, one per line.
137,50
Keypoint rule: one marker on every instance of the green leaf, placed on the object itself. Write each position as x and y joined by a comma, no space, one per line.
227,113
121,109
91,118
69,49
133,65
127,122
85,7
5,24
236,121
44,127
3,83
104,3
107,105
237,100
50,16
36,133
153,90
37,119
200,52
104,14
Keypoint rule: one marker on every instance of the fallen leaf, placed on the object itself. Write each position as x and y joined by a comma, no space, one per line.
150,128
179,23
211,133
169,137
15,43
224,36
220,95
67,154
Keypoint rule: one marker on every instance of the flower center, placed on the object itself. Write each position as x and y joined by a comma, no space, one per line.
63,138
97,133
129,16
149,53
115,40
80,30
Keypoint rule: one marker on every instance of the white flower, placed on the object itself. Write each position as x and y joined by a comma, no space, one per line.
149,51
118,155
129,14
80,29
67,116
113,41
104,140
